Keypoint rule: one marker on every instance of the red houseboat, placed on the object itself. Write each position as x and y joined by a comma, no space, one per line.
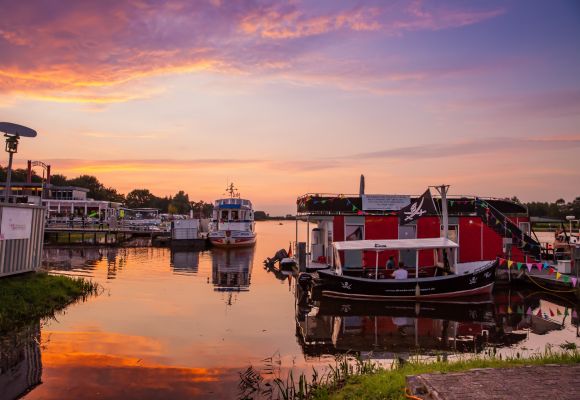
484,228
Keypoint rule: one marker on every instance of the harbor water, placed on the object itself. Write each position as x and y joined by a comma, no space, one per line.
184,325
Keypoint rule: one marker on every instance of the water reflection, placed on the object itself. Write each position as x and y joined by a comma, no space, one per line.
20,362
185,262
232,269
390,329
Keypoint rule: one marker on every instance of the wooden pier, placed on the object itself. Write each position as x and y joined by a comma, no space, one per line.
96,236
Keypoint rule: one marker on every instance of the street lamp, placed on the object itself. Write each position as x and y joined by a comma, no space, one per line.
12,132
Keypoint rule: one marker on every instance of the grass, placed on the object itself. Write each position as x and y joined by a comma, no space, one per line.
348,380
28,297
391,384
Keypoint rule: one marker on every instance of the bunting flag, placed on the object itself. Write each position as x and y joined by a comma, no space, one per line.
574,281
574,314
558,312
529,267
519,265
566,313
509,310
551,271
558,275
551,313
423,205
520,310
529,311
509,264
566,278
539,314
546,265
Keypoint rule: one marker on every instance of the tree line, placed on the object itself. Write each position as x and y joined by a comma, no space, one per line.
180,203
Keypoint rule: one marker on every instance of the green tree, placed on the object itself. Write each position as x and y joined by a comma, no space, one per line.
139,198
58,180
181,202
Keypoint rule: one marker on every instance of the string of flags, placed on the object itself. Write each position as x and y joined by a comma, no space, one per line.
502,309
540,266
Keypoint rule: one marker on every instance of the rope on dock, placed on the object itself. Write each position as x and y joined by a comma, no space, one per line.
550,290
408,395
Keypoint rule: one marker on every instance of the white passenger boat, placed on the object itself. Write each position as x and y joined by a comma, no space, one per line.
232,223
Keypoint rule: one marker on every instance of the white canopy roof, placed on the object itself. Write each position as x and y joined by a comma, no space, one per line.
396,244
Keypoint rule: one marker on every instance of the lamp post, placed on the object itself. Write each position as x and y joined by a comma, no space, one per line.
12,133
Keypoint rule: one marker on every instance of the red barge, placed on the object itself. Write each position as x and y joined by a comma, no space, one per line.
484,228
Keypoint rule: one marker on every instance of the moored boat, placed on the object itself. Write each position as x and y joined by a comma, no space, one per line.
233,223
444,279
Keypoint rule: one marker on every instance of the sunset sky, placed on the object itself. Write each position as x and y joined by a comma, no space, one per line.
296,97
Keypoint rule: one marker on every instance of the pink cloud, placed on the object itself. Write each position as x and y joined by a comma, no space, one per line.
106,51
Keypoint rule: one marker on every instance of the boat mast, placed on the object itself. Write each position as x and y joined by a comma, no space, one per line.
444,213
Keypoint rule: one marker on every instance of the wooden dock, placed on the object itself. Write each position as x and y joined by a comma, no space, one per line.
96,236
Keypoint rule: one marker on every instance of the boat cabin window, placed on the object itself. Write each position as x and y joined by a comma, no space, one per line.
224,215
235,216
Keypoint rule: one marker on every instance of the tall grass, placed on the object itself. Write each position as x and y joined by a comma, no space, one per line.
351,378
28,297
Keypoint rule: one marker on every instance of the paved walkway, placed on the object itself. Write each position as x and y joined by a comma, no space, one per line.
554,382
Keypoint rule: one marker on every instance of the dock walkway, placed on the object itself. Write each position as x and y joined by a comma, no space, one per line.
527,382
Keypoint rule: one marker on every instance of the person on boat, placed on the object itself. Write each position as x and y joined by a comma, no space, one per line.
391,262
400,272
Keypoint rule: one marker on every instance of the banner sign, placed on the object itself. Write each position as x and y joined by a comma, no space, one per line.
16,223
384,202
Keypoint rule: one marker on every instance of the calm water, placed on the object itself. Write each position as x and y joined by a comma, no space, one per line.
176,325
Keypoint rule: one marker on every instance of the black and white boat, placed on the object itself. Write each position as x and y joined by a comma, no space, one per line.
445,279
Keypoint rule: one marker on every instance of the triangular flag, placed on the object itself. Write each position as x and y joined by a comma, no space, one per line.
551,271
558,275
539,266
546,265
520,310
539,314
529,267
529,312
566,313
510,263
566,278
519,265
551,313
501,309
509,310
558,312
574,280
574,314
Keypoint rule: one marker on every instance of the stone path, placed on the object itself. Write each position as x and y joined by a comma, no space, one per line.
554,382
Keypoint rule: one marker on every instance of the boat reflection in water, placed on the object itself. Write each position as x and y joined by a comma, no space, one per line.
20,362
185,262
386,330
232,270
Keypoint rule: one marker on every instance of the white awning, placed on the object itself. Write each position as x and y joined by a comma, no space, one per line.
396,244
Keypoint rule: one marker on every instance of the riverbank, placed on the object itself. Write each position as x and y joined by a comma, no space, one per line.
390,384
28,297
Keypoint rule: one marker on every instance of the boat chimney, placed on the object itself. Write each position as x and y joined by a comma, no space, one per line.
361,190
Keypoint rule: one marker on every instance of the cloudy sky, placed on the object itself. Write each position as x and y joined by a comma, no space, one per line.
296,97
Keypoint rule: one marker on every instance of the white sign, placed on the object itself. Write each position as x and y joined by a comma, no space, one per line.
16,223
384,202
